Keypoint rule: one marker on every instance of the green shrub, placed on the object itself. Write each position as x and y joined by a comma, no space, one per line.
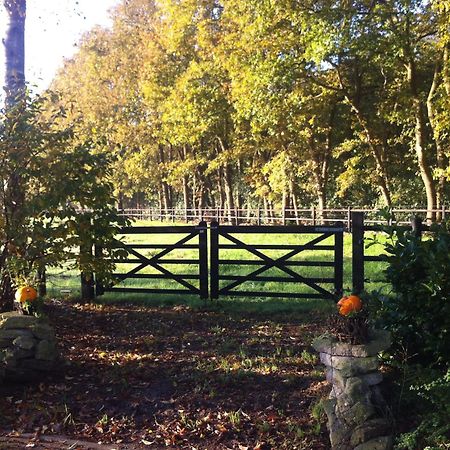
427,397
418,311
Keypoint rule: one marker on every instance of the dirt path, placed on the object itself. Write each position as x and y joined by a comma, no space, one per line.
173,378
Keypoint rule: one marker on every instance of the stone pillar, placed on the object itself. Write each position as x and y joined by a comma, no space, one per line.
355,408
27,347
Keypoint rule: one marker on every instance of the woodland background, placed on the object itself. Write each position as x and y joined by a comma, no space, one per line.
286,103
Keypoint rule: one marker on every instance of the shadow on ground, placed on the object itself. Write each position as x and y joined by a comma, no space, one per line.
176,377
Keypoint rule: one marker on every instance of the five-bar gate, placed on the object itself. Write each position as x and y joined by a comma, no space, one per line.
223,238
192,238
228,276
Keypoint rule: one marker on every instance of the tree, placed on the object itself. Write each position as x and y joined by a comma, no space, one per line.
41,225
12,193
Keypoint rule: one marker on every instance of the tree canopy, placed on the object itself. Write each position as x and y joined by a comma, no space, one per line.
243,102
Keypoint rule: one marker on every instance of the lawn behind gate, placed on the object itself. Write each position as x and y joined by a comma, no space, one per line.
66,283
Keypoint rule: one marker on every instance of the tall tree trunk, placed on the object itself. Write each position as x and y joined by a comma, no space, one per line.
227,178
266,210
284,204
376,144
294,200
164,186
220,194
186,197
446,69
239,198
421,141
378,150
14,45
194,196
228,182
440,152
320,175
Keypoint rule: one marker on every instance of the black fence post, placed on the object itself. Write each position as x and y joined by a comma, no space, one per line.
416,226
87,278
214,259
42,282
87,287
99,286
203,258
339,259
358,252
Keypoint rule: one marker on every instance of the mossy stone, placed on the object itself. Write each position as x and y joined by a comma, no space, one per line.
14,320
369,431
380,443
46,350
24,342
349,366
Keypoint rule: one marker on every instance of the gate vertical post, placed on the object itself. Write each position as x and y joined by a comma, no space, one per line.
99,287
358,252
42,282
203,258
214,257
87,278
87,287
416,226
339,259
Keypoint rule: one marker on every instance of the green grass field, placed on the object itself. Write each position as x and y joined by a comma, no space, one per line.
61,282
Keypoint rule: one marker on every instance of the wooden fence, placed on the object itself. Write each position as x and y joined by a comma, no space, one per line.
306,216
209,271
359,259
221,276
226,269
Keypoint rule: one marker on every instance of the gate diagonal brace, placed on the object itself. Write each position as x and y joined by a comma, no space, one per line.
270,262
153,261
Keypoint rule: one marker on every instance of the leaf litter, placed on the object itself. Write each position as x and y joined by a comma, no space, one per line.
171,377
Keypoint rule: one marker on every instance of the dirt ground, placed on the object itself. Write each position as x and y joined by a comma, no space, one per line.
172,377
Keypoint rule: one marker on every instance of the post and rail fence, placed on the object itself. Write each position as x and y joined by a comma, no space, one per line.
216,276
359,258
299,216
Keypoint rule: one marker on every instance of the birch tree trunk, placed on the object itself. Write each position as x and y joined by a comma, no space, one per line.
14,46
420,141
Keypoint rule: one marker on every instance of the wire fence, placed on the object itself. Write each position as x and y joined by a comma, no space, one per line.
304,216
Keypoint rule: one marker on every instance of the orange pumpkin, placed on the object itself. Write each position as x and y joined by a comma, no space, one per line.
349,304
26,294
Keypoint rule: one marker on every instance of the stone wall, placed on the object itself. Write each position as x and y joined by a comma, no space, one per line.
355,408
27,347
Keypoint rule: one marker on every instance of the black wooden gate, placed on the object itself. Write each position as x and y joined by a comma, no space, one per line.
158,262
226,274
221,233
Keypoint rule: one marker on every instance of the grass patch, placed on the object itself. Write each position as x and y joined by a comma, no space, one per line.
60,280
